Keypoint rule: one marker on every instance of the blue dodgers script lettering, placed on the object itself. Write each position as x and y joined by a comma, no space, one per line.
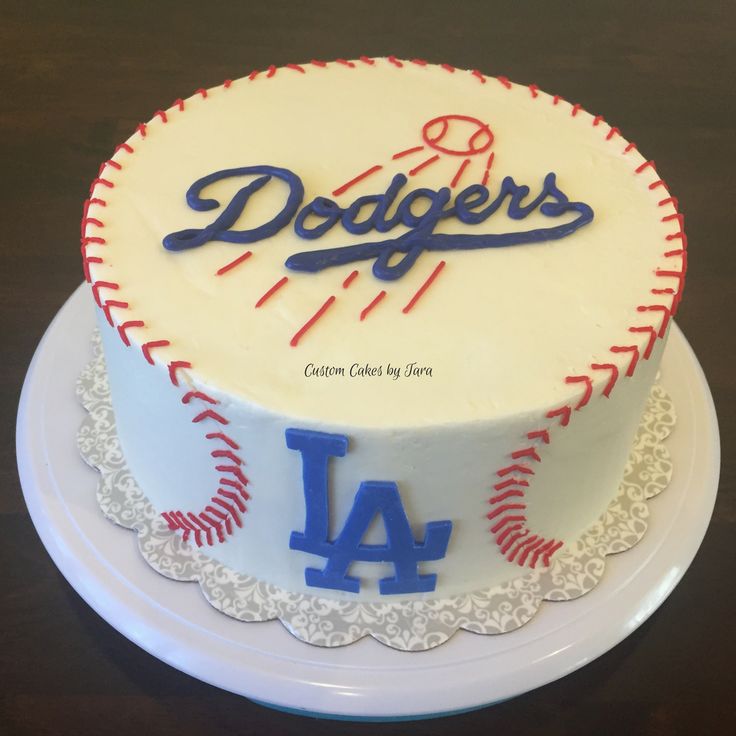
472,206
372,498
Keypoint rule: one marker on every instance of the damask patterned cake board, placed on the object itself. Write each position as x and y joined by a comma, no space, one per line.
172,621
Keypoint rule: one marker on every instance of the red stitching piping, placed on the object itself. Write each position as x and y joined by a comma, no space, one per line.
587,393
221,436
148,346
174,366
210,414
123,328
510,482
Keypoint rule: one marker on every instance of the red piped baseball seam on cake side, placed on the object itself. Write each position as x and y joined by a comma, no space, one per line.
543,549
529,548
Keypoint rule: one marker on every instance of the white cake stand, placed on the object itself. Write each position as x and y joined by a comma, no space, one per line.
365,680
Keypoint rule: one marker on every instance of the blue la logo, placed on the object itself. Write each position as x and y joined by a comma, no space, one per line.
372,498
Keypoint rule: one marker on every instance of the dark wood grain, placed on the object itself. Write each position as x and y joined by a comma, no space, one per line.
77,77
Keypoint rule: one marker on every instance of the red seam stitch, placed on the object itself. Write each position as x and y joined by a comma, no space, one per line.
612,380
197,395
550,552
634,358
225,438
652,338
123,328
229,454
419,62
520,545
513,538
448,68
542,434
321,64
510,530
534,90
529,452
366,311
162,115
210,414
423,288
234,498
478,76
504,521
588,389
109,303
174,366
349,280
311,321
281,282
296,68
393,60
510,482
345,62
234,470
142,129
148,346
643,166
563,412
229,266
367,60
201,91
504,81
505,507
227,83
515,468
575,109
522,560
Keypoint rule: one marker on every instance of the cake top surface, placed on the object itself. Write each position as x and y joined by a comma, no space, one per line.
297,235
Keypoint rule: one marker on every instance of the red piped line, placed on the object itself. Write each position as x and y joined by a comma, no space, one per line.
522,560
102,285
652,338
227,83
174,367
367,60
233,264
271,71
123,329
634,350
612,380
124,147
221,436
424,164
109,303
281,282
514,492
612,132
234,470
630,147
353,182
665,315
419,62
201,91
142,129
575,109
318,63
487,171
92,221
519,545
501,537
478,76
148,346
393,60
588,389
112,163
506,520
233,484
366,311
228,454
643,166
162,115
658,183
448,68
209,414
542,434
197,395
556,100
234,497
504,508
550,552
349,280
534,90
101,202
93,240
529,452
296,68
253,74
511,482
563,413
178,103
310,322
401,154
104,182
423,288
546,546
459,173
515,468
597,120
504,81
345,62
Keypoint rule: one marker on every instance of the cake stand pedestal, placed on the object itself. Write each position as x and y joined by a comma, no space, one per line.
365,680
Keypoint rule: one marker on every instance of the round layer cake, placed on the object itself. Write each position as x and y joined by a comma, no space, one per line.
380,327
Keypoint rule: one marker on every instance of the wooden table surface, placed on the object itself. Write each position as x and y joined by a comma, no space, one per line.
78,77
